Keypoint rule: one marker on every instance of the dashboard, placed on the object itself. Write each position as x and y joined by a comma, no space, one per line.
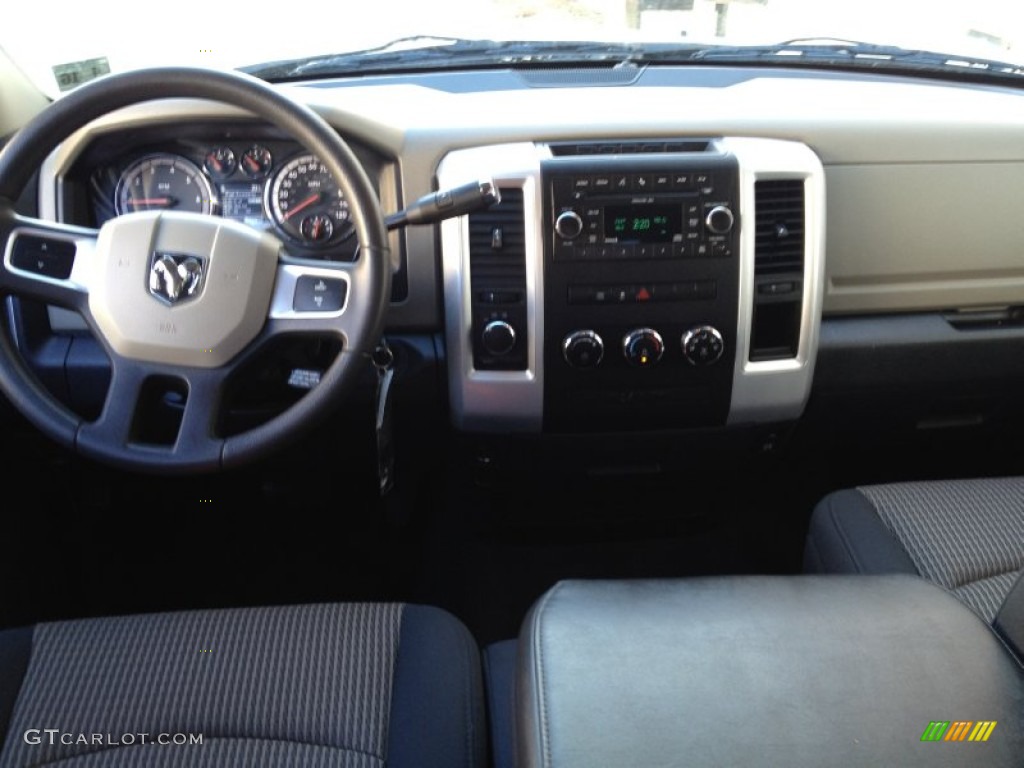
715,251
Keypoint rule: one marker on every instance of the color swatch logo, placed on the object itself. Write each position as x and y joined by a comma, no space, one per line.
958,730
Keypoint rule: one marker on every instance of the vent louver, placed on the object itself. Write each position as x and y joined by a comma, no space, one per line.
778,268
497,279
779,226
498,265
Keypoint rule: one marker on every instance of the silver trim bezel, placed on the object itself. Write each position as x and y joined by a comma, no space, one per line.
777,390
494,401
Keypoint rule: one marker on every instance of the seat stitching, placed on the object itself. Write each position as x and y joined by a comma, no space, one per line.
539,641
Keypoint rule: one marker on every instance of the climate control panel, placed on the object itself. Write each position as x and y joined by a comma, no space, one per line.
644,347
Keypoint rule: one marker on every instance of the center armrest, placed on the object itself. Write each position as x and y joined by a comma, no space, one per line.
761,670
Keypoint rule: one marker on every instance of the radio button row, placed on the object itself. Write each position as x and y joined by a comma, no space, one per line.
689,249
688,290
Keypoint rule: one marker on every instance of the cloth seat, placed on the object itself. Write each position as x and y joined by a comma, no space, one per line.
967,536
360,685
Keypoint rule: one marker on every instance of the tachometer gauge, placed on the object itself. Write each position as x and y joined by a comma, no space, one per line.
306,203
163,182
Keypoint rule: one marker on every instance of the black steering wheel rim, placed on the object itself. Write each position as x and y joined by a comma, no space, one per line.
27,150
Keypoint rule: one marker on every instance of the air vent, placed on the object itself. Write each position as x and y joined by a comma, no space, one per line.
778,269
779,226
654,146
497,269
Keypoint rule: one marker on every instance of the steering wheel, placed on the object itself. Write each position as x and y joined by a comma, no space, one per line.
186,297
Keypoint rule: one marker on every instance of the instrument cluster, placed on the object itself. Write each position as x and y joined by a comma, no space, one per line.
267,184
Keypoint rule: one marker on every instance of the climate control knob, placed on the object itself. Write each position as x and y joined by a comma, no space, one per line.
719,220
643,347
568,225
703,345
498,338
583,349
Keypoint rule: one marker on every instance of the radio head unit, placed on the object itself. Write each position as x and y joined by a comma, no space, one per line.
641,284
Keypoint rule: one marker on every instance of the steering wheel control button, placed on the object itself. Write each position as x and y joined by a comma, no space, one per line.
43,256
583,349
703,345
319,294
643,347
498,338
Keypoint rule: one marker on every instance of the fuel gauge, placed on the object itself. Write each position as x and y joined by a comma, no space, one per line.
220,162
256,161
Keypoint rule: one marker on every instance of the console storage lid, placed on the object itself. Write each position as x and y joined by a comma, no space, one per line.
751,670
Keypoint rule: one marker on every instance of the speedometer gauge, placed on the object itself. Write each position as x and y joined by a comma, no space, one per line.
163,182
306,203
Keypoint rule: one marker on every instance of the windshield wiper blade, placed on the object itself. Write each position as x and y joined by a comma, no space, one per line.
818,51
436,52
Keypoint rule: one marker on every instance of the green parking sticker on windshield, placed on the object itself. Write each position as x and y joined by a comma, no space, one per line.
77,72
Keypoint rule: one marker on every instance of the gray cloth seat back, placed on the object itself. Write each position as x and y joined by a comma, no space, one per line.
967,536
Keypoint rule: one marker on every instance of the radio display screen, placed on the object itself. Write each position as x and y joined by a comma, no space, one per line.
642,223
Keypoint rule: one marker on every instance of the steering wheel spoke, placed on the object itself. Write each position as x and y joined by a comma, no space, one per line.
167,414
46,261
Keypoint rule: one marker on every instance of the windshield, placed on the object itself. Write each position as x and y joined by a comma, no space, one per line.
60,43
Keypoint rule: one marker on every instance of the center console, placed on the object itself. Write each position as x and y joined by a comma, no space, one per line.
634,285
791,671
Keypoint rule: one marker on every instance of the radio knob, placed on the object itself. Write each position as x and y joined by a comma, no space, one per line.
498,338
568,225
583,349
720,220
643,347
703,345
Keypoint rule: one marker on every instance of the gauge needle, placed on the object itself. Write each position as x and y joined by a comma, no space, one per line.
252,162
314,198
165,201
